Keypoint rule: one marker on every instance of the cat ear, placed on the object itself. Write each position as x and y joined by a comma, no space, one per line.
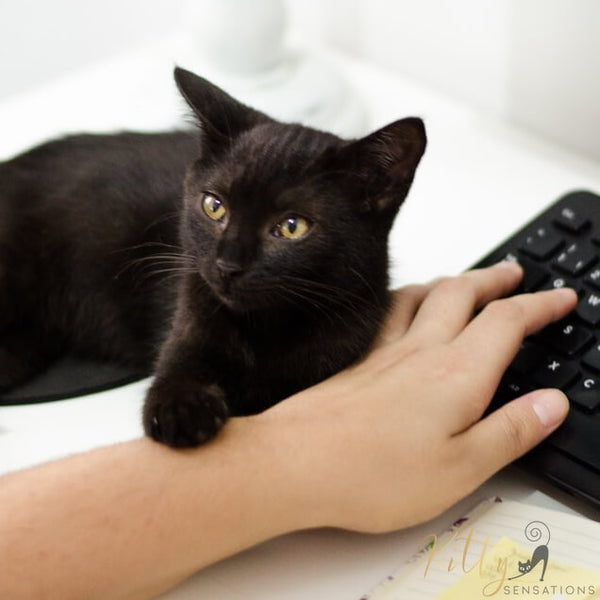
221,117
385,163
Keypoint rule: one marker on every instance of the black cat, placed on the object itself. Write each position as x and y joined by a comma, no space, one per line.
241,262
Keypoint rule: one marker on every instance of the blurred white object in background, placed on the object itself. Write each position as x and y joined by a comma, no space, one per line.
240,46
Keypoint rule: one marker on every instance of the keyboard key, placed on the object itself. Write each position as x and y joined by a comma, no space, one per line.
534,276
593,278
575,260
511,386
566,337
591,358
579,436
542,243
571,220
585,395
556,373
588,308
528,359
559,281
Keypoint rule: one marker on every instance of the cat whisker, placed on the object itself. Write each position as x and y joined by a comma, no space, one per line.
322,303
325,298
330,294
299,299
156,265
367,284
152,244
167,216
326,287
171,257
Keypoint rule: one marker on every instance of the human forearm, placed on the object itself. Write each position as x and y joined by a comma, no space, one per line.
132,520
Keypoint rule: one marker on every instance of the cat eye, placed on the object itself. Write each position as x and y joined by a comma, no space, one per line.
292,228
213,207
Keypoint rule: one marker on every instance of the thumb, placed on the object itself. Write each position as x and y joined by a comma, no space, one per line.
515,428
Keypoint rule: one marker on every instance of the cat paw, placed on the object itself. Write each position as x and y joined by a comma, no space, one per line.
184,417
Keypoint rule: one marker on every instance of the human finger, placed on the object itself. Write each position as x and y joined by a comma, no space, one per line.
404,305
511,431
451,304
493,338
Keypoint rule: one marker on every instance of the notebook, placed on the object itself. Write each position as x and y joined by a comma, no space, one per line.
502,549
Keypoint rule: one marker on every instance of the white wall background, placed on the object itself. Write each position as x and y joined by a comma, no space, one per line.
533,62
43,39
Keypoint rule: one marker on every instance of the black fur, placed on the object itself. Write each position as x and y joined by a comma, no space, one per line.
106,252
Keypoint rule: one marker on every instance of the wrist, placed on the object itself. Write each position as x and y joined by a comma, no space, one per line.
297,462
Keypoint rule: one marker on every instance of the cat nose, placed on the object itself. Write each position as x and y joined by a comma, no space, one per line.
228,268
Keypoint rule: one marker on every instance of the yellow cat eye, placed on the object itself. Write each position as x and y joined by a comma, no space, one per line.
292,228
213,207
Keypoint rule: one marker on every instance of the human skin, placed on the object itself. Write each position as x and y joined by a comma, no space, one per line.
357,451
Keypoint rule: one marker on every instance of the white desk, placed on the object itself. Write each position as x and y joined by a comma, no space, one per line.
479,180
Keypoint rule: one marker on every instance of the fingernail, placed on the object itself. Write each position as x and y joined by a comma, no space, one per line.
567,292
511,265
550,406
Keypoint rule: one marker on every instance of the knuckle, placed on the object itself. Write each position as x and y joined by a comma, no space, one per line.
410,293
449,283
507,310
468,284
461,284
441,283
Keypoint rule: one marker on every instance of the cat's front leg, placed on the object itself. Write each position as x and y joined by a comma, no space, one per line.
187,405
184,413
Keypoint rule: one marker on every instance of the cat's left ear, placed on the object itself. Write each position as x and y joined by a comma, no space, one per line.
221,117
385,162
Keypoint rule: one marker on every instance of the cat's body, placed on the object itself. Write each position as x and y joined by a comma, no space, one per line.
78,216
265,273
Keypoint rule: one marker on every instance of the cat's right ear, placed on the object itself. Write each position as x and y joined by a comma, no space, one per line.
221,117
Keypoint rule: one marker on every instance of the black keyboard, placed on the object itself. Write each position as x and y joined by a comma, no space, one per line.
561,247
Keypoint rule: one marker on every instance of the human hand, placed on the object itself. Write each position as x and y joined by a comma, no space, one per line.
385,444
398,438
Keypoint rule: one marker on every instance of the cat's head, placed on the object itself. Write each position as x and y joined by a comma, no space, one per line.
525,567
284,214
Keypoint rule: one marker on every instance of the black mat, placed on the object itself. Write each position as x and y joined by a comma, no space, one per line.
70,377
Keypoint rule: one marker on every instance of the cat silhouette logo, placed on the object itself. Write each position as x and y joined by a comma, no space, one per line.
534,532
